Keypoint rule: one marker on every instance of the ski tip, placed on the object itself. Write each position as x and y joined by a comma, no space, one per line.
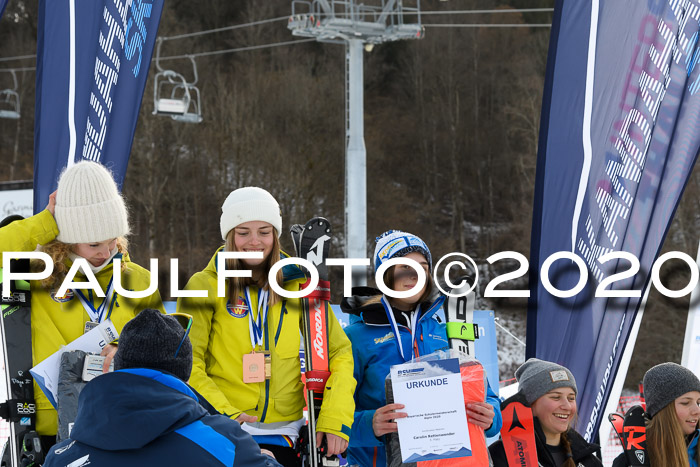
318,223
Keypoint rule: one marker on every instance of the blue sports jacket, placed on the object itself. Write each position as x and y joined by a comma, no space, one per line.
144,417
374,350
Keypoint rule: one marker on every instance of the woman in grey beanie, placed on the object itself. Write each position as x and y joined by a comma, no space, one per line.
672,395
85,222
550,389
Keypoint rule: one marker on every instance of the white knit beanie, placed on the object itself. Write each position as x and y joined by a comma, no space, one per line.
250,204
89,207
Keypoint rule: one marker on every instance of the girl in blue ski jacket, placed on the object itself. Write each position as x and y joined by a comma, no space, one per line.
375,347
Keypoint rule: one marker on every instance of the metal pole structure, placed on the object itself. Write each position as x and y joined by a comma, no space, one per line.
355,24
355,159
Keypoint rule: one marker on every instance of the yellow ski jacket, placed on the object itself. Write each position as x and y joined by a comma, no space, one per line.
59,321
220,337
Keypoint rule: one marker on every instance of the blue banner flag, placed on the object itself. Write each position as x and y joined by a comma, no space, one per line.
93,58
619,136
3,4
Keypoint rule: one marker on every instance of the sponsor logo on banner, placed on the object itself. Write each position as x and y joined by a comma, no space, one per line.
125,25
93,62
616,147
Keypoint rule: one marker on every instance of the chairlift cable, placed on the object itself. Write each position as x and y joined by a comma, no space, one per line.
19,57
467,12
238,49
281,18
482,25
225,28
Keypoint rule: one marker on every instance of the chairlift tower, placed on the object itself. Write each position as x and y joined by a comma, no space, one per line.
358,26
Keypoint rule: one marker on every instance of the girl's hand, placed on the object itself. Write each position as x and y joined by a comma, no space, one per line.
245,418
108,352
384,420
52,204
335,444
480,414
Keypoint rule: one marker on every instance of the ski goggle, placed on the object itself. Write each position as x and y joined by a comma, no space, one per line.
185,321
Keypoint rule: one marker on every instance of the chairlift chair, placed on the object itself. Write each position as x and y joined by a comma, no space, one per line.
174,96
9,100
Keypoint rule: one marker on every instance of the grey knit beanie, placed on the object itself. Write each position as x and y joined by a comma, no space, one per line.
666,382
151,340
538,377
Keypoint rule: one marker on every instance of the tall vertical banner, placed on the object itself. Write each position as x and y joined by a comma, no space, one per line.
3,4
93,58
619,137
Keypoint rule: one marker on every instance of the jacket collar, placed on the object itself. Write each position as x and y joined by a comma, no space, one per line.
374,313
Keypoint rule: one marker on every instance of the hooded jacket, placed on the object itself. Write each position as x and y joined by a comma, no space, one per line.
59,321
220,337
374,351
144,417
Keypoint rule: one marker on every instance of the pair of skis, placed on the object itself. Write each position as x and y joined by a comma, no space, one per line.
312,243
632,431
24,446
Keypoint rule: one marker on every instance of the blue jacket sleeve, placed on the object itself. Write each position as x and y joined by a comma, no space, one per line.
362,434
493,399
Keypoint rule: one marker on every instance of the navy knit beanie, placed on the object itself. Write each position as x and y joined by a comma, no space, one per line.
150,340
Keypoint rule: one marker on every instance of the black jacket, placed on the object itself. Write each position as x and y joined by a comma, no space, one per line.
583,451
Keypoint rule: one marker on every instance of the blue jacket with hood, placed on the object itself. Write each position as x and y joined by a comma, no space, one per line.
375,351
144,417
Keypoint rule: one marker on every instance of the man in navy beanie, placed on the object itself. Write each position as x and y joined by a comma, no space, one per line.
144,414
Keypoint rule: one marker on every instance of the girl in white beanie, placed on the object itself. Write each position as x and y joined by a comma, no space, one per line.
253,328
85,218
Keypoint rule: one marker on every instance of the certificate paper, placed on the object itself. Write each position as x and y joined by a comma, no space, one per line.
46,373
436,426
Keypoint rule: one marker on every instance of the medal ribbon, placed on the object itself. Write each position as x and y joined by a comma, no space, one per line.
395,328
257,324
96,314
